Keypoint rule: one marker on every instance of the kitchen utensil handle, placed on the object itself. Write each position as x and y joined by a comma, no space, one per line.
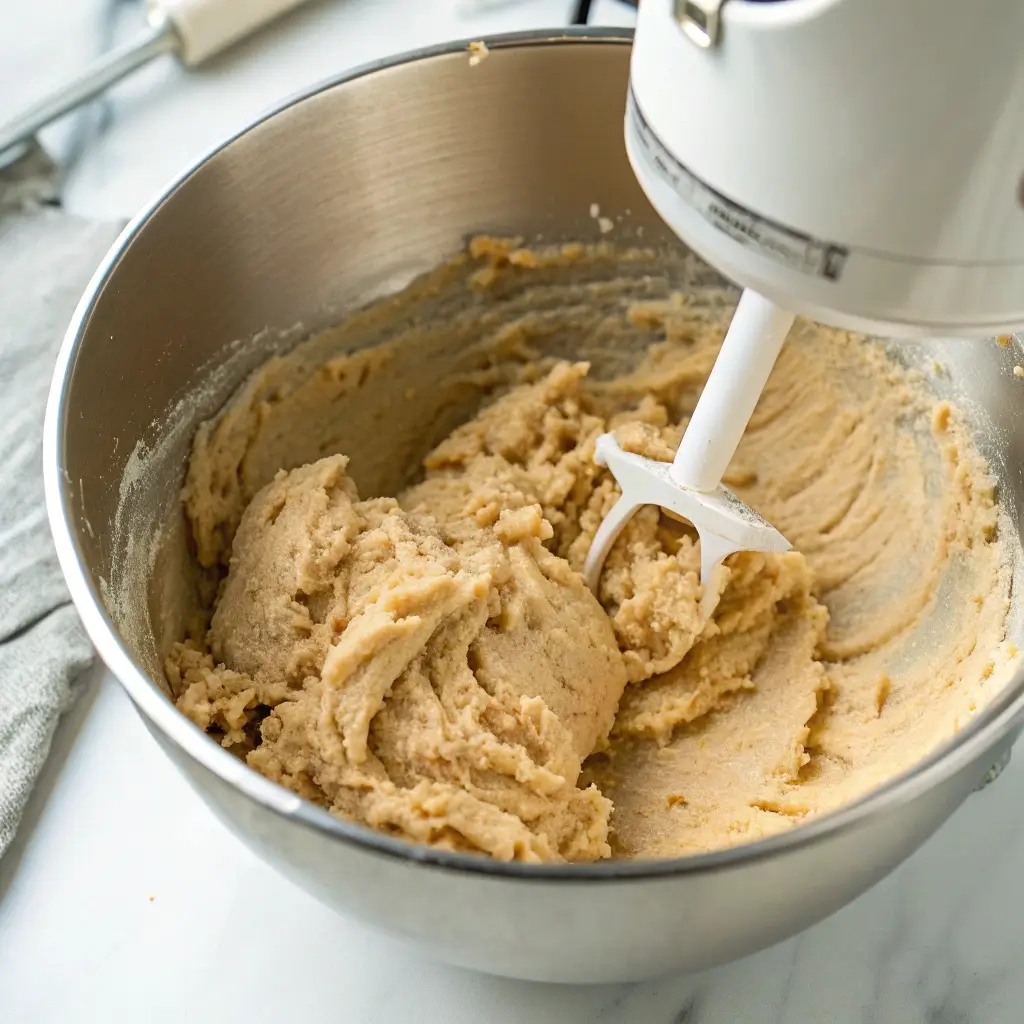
206,27
160,38
193,29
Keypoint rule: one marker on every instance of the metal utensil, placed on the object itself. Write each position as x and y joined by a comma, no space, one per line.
192,30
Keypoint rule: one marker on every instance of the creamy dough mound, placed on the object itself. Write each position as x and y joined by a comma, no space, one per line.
444,684
432,665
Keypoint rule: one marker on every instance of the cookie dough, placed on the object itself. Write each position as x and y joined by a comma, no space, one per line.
432,665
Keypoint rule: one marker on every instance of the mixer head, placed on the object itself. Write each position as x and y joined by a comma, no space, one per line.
860,162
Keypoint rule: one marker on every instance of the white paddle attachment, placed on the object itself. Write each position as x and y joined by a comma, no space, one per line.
690,486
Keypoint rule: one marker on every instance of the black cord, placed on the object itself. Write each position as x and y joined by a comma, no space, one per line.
582,14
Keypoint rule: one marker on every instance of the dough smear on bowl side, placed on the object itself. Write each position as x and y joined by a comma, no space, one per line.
432,664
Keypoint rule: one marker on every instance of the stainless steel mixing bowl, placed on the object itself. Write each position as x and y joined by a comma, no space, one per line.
341,194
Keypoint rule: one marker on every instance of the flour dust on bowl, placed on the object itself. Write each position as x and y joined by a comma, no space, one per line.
252,297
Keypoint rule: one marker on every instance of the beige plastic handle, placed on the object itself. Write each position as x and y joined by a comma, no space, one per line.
206,27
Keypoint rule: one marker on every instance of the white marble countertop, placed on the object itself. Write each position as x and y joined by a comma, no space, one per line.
123,899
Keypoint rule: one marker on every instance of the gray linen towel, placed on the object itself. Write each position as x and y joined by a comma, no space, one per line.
46,259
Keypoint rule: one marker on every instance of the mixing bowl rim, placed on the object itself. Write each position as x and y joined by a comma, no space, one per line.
987,729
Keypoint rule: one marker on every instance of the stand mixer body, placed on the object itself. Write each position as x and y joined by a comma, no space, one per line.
859,162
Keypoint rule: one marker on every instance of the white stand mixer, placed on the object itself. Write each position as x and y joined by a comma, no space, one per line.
859,162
